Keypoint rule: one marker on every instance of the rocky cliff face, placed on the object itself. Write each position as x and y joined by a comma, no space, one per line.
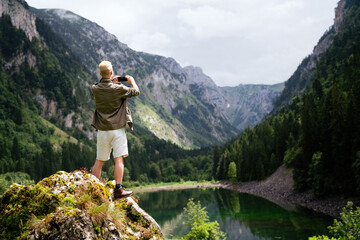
21,18
72,206
340,12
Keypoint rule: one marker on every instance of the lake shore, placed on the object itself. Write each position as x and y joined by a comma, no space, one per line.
176,187
278,188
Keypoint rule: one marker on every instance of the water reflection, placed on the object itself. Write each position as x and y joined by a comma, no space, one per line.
241,216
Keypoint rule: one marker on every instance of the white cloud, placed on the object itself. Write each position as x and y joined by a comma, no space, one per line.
208,21
155,42
284,8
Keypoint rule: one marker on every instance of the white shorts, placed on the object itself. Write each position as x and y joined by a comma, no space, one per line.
112,139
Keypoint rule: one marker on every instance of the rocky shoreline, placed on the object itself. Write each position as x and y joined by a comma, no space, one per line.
279,189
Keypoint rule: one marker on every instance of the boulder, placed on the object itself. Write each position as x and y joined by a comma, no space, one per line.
72,206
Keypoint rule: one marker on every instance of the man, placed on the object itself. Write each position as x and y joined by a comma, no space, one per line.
111,116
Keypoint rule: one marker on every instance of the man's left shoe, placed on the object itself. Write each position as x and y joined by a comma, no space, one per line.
121,193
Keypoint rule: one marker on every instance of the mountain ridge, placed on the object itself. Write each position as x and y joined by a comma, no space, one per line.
163,84
243,105
189,81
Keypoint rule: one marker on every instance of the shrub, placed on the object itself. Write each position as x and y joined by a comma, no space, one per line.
197,218
346,229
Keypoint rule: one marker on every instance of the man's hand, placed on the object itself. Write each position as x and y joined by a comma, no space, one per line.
114,79
131,80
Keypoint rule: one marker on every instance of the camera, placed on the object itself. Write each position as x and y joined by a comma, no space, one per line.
121,79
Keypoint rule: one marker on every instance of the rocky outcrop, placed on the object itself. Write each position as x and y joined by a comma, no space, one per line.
24,20
339,15
72,206
21,18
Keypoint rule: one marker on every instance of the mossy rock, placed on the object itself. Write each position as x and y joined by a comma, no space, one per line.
72,206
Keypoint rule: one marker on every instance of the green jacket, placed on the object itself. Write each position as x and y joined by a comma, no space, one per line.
112,110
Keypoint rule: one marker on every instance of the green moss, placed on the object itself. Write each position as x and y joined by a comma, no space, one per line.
72,188
71,212
47,182
123,204
110,185
86,176
103,190
96,227
70,201
20,203
26,209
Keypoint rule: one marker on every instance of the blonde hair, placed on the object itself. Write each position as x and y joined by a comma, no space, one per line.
105,67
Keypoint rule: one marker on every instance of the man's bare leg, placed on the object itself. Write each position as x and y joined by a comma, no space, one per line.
97,168
118,174
119,169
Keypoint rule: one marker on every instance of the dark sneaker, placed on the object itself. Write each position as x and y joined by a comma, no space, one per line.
121,193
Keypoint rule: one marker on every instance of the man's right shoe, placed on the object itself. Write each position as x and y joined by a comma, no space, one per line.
121,193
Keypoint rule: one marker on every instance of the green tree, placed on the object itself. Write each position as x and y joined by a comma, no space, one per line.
126,174
356,170
322,238
154,171
16,155
348,228
14,177
232,171
216,159
143,178
316,175
196,217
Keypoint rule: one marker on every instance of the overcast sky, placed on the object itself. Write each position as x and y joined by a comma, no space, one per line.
233,41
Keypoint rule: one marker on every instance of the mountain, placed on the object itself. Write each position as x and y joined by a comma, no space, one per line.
179,91
248,104
41,104
244,105
72,205
315,132
47,107
301,78
168,105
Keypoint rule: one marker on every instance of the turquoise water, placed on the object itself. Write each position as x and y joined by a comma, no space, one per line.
240,216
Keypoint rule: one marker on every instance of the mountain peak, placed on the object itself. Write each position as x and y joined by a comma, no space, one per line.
196,75
65,14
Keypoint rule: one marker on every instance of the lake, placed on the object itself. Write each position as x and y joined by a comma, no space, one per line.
240,216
